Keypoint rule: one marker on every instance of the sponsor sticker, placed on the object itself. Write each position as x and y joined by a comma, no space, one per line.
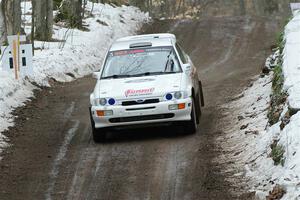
132,92
138,51
126,52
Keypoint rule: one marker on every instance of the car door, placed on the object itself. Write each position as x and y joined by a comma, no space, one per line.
186,59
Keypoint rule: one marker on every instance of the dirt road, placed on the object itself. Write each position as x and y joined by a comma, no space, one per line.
53,155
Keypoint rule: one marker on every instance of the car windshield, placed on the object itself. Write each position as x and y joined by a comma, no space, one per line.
141,62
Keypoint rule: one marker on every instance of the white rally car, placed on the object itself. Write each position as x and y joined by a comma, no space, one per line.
145,79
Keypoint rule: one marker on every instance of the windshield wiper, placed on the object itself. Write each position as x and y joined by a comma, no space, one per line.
146,74
152,73
172,72
137,75
116,76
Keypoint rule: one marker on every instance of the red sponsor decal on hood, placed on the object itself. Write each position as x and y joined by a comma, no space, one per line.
131,92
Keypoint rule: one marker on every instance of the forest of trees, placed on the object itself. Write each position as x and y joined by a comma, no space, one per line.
42,12
72,12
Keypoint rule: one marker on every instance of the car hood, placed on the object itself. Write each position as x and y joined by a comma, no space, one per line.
139,87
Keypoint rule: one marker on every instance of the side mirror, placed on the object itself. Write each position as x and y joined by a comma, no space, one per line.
187,68
96,75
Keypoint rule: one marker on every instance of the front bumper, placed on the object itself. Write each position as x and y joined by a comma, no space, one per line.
142,114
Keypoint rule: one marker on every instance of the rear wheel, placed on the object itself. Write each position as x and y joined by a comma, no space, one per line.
192,125
198,109
201,94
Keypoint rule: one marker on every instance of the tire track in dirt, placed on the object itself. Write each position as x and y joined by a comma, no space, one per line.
58,160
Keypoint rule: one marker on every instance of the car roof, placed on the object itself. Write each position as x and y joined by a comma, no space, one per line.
153,40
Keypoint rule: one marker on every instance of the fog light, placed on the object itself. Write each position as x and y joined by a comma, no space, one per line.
180,106
101,113
173,107
108,112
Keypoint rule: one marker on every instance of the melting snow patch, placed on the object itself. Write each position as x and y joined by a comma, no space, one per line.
269,155
291,61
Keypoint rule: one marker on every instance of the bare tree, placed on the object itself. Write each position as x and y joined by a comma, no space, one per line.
43,14
71,10
32,25
84,7
11,10
2,27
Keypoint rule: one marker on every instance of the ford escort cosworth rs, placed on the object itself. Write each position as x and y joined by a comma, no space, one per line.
145,79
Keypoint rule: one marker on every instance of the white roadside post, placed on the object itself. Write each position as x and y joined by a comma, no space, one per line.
14,44
16,57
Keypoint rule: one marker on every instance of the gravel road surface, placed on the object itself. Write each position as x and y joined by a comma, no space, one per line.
54,157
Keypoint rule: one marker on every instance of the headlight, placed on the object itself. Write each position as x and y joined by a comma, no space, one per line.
177,95
174,95
102,101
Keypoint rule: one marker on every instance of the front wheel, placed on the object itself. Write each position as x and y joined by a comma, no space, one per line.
99,135
192,125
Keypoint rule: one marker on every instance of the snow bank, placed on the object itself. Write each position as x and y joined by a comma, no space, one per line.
291,64
247,137
82,53
250,137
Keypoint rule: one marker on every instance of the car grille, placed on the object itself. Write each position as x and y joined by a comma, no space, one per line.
135,102
141,118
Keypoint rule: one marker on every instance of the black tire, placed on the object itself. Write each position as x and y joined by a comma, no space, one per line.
201,94
192,125
99,135
198,109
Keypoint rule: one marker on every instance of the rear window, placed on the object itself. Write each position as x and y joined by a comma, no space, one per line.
135,62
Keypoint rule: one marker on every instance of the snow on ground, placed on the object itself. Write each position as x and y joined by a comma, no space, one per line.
251,138
81,54
246,127
291,65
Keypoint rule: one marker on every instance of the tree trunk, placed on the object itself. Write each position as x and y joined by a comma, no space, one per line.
72,12
77,13
12,16
84,7
179,7
138,3
2,27
32,25
43,10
